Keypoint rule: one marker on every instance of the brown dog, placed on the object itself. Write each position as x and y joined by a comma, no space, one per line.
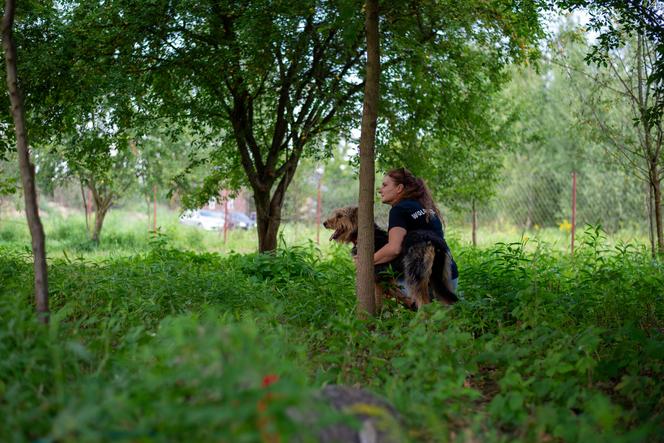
425,261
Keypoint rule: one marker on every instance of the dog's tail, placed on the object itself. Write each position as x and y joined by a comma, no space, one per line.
441,277
418,264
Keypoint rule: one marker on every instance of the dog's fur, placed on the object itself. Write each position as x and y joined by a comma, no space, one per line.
425,259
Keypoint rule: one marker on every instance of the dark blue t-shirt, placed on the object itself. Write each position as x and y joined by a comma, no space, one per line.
410,215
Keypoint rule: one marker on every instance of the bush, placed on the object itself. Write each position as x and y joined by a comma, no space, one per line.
169,345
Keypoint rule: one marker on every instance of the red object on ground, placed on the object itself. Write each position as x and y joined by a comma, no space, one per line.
261,407
269,379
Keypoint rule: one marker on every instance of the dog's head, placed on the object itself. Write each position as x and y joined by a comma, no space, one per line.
343,222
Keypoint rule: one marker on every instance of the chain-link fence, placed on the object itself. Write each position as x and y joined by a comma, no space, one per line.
612,201
525,203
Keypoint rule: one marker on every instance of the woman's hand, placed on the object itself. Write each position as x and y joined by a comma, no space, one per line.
393,247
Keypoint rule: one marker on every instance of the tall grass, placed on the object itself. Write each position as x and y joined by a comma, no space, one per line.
169,344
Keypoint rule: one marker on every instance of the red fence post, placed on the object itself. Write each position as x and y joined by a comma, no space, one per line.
573,208
318,213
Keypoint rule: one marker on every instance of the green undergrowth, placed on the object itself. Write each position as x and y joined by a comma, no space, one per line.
171,345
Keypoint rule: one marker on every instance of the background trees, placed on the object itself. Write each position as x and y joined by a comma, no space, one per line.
630,46
246,98
270,79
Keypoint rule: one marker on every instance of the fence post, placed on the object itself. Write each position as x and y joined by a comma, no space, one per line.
225,197
320,178
573,208
474,223
154,212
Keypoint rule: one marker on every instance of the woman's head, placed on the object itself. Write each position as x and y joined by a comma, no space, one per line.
401,184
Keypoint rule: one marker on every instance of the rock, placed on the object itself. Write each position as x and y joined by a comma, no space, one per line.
379,420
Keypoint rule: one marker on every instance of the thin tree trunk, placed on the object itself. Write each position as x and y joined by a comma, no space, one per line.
100,215
657,197
26,168
365,245
652,152
85,209
267,222
102,204
651,219
474,223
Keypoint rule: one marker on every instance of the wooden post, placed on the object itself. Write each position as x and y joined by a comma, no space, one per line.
318,209
154,212
225,216
573,209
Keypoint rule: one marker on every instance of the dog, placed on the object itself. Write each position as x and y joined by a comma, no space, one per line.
425,260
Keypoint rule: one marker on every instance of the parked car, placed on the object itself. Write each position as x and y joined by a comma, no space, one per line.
208,220
242,221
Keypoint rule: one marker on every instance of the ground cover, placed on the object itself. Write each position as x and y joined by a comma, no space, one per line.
127,231
169,344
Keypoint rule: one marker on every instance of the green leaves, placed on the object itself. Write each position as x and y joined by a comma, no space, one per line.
173,344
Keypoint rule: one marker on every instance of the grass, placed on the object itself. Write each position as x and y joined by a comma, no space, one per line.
127,232
151,340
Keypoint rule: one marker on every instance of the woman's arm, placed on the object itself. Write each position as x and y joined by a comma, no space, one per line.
393,247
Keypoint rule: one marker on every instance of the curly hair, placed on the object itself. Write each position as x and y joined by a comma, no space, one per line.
415,188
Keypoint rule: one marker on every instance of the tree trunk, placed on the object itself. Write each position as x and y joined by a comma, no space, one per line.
100,215
656,184
474,223
365,244
102,205
26,168
268,220
651,217
85,209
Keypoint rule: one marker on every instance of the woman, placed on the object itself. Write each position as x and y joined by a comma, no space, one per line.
412,208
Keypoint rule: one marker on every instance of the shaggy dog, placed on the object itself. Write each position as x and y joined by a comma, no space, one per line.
425,260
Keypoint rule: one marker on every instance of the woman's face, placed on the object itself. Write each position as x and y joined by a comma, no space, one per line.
389,191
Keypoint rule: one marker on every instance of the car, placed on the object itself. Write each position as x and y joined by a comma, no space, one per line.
242,221
208,220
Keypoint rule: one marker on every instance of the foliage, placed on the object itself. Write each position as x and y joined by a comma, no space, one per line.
168,344
286,92
553,137
8,176
616,23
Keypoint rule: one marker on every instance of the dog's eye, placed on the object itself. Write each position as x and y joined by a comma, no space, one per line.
338,215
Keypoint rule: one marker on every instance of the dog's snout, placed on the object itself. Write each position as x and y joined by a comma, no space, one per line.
325,224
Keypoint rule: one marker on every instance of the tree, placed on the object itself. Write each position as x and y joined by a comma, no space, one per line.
619,106
161,161
97,157
25,166
290,72
616,22
365,282
462,169
634,28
